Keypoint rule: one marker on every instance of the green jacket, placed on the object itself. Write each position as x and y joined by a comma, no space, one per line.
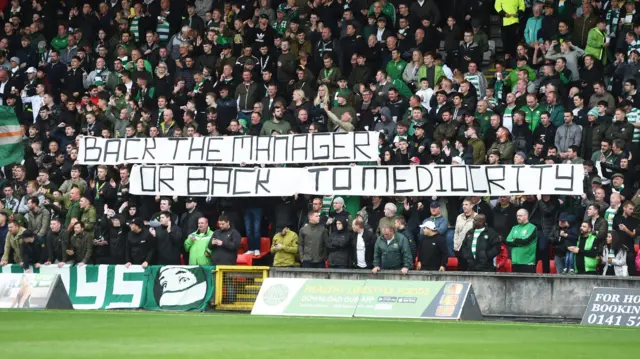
13,244
532,116
557,115
513,75
485,121
402,88
395,69
72,208
82,247
395,254
438,74
595,44
60,43
88,218
588,250
199,249
388,10
287,256
523,241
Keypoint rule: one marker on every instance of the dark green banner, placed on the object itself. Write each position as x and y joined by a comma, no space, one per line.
178,288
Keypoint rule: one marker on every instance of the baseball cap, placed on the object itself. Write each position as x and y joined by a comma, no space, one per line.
429,225
191,199
435,204
138,222
31,70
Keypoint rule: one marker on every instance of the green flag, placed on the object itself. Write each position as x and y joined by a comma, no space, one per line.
11,147
178,287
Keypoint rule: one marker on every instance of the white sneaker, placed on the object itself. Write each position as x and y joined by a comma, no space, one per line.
249,252
256,253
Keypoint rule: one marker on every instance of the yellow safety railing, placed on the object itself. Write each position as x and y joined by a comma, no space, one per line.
237,287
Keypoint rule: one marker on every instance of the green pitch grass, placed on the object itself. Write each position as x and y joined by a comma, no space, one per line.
133,335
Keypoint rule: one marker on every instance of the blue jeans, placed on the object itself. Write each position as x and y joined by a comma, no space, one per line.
252,225
568,261
559,264
450,234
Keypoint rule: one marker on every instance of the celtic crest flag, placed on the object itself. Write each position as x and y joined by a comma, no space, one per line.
11,147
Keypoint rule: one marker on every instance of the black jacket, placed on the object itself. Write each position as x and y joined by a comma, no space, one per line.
487,248
433,252
140,247
189,222
338,248
168,245
33,253
54,243
227,253
369,241
504,219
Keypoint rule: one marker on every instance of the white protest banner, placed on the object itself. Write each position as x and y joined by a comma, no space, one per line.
329,147
214,181
495,180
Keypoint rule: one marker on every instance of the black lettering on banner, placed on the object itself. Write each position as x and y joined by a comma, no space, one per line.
303,148
336,138
147,148
473,185
198,148
419,187
242,140
108,151
317,171
454,179
144,176
126,147
163,180
236,172
494,181
570,177
177,142
337,187
375,170
268,140
357,145
196,177
276,158
89,148
226,182
541,176
261,182
397,180
517,190
440,168
211,148
317,156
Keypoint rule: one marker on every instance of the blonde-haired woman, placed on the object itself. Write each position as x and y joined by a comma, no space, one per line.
298,103
319,104
410,74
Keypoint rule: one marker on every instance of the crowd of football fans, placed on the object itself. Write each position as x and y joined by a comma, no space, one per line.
471,82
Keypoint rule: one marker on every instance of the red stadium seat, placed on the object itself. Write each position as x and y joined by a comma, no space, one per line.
265,246
452,264
244,260
244,246
552,267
